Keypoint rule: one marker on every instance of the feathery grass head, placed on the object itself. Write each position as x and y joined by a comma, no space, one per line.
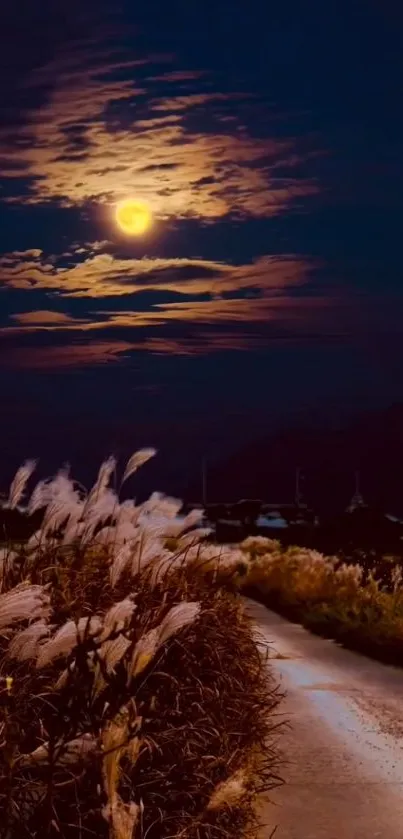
19,483
136,460
228,793
22,603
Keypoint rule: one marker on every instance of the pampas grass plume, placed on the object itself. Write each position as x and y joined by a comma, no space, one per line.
25,644
136,460
229,793
19,483
66,638
23,602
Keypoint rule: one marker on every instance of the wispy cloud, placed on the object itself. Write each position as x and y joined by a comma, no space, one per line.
203,343
178,76
285,309
102,274
298,315
101,133
95,353
66,357
193,100
45,318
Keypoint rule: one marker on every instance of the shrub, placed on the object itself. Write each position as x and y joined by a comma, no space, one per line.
343,598
134,699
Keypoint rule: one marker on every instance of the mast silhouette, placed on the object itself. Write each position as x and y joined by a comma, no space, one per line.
357,500
204,482
298,494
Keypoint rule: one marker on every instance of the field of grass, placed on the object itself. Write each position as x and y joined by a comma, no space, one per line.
134,698
359,604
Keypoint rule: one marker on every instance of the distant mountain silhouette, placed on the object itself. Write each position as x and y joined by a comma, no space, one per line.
328,459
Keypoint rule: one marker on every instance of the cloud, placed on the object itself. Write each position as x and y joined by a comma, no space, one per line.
101,133
203,343
246,310
193,100
178,76
297,315
94,353
44,318
34,253
66,357
193,329
102,274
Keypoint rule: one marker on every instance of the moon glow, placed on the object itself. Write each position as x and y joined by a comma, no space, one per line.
133,217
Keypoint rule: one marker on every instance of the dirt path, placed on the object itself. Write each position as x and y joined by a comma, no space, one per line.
344,778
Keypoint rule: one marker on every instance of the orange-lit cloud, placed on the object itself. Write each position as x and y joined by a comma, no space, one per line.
100,353
178,76
45,318
298,315
102,275
236,326
203,343
74,147
66,357
193,100
245,310
96,353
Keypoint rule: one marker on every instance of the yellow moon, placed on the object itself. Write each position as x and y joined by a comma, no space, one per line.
133,217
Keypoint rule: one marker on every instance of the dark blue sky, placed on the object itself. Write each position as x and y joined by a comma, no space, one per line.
266,140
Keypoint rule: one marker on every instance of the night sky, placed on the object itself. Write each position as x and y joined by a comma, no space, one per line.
267,140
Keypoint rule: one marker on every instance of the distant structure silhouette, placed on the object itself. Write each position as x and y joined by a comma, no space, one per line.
357,502
204,482
299,497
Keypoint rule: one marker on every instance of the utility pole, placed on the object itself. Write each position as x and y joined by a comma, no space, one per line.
297,489
204,482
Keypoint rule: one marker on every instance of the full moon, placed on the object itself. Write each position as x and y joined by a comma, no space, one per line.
133,216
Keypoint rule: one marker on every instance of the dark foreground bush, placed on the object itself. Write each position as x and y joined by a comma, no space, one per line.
134,700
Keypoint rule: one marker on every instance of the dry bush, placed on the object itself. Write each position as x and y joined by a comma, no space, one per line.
346,598
257,546
303,575
134,699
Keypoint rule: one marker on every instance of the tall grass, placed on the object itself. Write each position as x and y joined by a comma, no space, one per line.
134,699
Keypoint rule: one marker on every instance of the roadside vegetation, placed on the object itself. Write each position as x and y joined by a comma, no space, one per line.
359,604
135,699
